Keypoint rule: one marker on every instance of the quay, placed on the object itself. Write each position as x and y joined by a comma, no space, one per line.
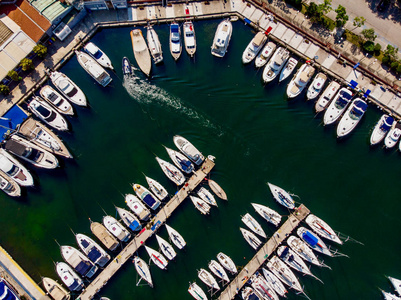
101,280
267,249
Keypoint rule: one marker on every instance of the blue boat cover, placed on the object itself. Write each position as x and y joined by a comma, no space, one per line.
366,93
73,286
11,119
94,254
174,28
310,238
9,293
389,121
149,200
253,297
360,107
84,243
284,253
134,226
83,267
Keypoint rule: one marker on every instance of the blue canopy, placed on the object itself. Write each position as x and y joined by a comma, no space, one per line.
310,238
5,288
83,267
94,254
149,200
134,226
284,253
174,28
73,286
359,108
341,101
11,120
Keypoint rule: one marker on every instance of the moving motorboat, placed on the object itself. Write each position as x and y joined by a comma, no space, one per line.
172,172
327,96
351,117
68,88
175,40
381,129
316,86
143,270
56,100
188,149
157,258
217,189
137,207
300,80
175,237
79,262
129,219
265,54
181,161
259,284
227,263
96,53
275,64
322,228
54,289
71,279
267,213
313,241
95,70
281,196
337,106
396,284
282,272
222,38
154,45
189,38
251,238
288,68
206,196
253,48
9,185
166,248
94,252
218,270
200,205
208,279
141,51
47,114
306,253
253,225
116,229
14,169
108,240
196,291
275,283
156,188
393,135
126,66
143,193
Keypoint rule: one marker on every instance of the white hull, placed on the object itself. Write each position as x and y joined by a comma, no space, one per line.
137,207
327,96
91,248
166,248
218,270
76,259
275,64
97,54
200,205
157,189
188,149
154,45
251,239
253,48
175,41
313,241
267,213
227,263
222,38
288,68
300,80
129,219
302,249
157,258
265,55
217,189
351,117
9,185
253,225
275,283
316,86
381,129
95,70
206,196
208,279
175,237
147,197
189,38
281,196
396,284
293,260
181,161
47,114
68,88
55,290
260,285
389,296
13,168
143,270
337,106
282,272
196,292
322,228
69,277
172,172
393,135
141,51
56,100
249,293
116,229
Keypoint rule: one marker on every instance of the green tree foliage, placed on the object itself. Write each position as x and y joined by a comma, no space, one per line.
14,75
369,46
394,65
325,7
5,90
316,12
342,16
40,50
26,64
369,34
391,52
358,22
377,49
398,70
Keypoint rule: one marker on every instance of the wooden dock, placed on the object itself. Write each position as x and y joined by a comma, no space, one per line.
101,280
261,256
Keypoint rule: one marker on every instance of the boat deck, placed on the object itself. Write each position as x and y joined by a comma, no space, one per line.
101,280
265,251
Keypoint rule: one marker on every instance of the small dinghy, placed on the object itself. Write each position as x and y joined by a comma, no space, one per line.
100,57
157,258
396,284
94,252
175,237
69,277
126,66
68,88
206,196
393,135
172,172
217,189
129,219
251,239
316,86
156,188
166,248
147,197
302,249
275,283
327,96
313,241
56,100
54,289
288,68
189,38
200,205
196,291
143,270
282,272
322,228
9,185
81,264
218,270
108,240
381,129
137,207
259,284
248,293
265,54
13,168
47,114
267,213
116,229
227,263
154,45
188,149
351,117
208,279
253,225
281,196
181,161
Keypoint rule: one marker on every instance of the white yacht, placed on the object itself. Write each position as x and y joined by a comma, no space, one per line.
137,207
116,229
206,196
129,219
79,262
265,54
300,80
94,252
195,291
154,45
218,270
9,185
68,88
143,270
200,205
222,38
281,196
337,106
313,241
47,114
175,237
56,100
288,68
175,40
156,188
327,96
393,135
100,57
275,283
251,238
253,48
351,117
71,279
95,70
381,129
260,285
180,160
208,279
104,236
396,284
166,248
316,86
141,51
267,213
171,171
188,149
14,169
189,38
55,290
322,228
275,64
253,225
157,258
305,252
227,263
147,197
282,272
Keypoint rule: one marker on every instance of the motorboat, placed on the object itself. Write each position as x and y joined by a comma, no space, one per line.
166,248
79,262
251,238
381,129
267,213
156,188
275,283
181,161
14,169
222,38
188,149
313,241
327,96
265,54
42,136
389,296
189,38
206,196
154,45
322,228
107,239
143,270
316,87
95,70
68,88
351,117
47,114
175,237
217,189
30,152
253,48
253,225
147,197
7,292
172,172
275,64
288,68
54,289
71,279
9,185
218,270
97,54
300,80
337,106
157,258
227,263
92,250
200,205
301,248
196,291
175,41
56,100
393,135
249,293
260,285
396,284
137,207
282,272
208,279
126,66
141,51
129,219
116,229
281,196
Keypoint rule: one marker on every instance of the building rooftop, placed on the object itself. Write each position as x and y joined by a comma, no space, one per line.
51,9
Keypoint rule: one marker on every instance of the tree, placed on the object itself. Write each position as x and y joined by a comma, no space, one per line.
14,75
40,50
377,49
5,90
26,64
325,7
369,46
358,22
398,70
342,16
314,12
391,52
369,34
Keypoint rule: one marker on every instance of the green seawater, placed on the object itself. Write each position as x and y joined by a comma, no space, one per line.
224,109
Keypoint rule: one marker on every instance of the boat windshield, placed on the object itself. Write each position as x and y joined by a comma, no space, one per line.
341,103
43,111
53,98
51,117
32,154
97,54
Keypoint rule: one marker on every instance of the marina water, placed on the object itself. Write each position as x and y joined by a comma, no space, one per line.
222,107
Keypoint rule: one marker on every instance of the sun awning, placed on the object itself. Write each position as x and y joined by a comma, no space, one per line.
11,119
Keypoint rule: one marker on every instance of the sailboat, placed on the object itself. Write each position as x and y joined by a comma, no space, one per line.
156,188
218,270
267,213
196,291
253,225
157,258
322,228
208,279
166,248
143,270
172,172
227,263
200,205
175,237
129,219
281,196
